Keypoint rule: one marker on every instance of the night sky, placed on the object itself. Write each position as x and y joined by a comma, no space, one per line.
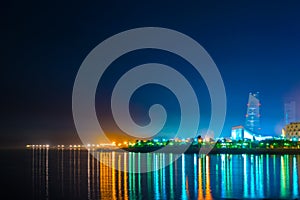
255,44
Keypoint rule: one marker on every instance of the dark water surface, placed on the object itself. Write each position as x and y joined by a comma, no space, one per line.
75,174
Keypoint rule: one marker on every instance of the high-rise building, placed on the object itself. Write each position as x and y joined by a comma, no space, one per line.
289,112
253,114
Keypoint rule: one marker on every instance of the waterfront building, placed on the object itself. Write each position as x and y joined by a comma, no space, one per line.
292,130
253,113
242,133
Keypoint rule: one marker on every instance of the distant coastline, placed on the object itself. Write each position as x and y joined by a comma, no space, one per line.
177,149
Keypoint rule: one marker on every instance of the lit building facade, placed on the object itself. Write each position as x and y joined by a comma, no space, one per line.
253,113
242,133
292,130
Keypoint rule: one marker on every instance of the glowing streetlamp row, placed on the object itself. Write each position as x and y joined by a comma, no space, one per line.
38,146
113,144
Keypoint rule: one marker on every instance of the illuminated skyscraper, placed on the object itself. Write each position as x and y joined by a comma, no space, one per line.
289,112
253,115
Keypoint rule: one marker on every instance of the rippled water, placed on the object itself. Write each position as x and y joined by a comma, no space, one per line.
74,174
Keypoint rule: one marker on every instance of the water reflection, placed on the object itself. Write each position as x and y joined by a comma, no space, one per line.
40,173
76,174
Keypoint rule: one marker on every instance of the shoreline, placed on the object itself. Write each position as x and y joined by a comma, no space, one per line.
190,150
194,150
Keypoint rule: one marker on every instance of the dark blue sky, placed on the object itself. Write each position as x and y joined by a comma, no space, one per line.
255,44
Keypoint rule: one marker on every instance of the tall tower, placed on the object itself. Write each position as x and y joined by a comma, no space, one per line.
253,115
289,112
